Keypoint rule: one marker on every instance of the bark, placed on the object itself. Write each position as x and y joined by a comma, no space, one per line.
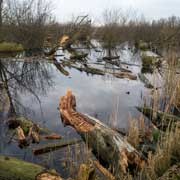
109,146
20,133
52,136
54,146
104,171
1,8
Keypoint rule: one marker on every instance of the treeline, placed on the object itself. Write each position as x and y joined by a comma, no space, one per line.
121,26
30,22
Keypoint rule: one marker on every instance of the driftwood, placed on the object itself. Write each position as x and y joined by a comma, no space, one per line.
52,136
125,75
87,69
109,146
161,119
54,146
15,169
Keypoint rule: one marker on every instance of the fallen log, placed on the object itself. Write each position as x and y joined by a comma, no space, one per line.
52,136
109,146
54,146
161,119
89,70
16,169
125,75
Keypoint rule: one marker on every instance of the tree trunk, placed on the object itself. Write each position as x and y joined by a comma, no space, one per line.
1,8
109,146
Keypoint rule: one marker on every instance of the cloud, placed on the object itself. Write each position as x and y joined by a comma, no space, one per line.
154,9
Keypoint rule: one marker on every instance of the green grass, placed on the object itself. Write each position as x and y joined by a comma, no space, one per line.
10,47
147,63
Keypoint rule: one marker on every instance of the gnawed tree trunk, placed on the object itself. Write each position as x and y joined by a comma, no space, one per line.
15,169
109,146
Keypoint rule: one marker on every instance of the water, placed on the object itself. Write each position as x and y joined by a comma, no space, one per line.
35,88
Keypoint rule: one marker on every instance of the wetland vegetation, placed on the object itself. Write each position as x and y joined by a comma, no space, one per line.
83,101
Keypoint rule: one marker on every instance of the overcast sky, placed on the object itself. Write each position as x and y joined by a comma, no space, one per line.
151,9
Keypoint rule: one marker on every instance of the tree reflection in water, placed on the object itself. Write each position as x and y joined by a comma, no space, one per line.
27,78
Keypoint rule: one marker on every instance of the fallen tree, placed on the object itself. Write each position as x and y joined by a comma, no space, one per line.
110,147
161,119
54,146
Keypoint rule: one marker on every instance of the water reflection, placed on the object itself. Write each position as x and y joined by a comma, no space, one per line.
31,85
30,78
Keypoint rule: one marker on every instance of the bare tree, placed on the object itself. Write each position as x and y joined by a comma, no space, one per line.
26,21
1,6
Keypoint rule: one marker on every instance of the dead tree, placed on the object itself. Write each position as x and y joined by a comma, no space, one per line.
110,147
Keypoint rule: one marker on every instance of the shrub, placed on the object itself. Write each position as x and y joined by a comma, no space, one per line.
10,47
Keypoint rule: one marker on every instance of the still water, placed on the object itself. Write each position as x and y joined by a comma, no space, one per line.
35,88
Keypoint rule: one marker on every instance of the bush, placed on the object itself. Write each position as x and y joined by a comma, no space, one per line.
10,47
147,63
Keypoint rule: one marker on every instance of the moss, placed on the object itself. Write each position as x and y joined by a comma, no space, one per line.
26,123
12,168
10,47
147,63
